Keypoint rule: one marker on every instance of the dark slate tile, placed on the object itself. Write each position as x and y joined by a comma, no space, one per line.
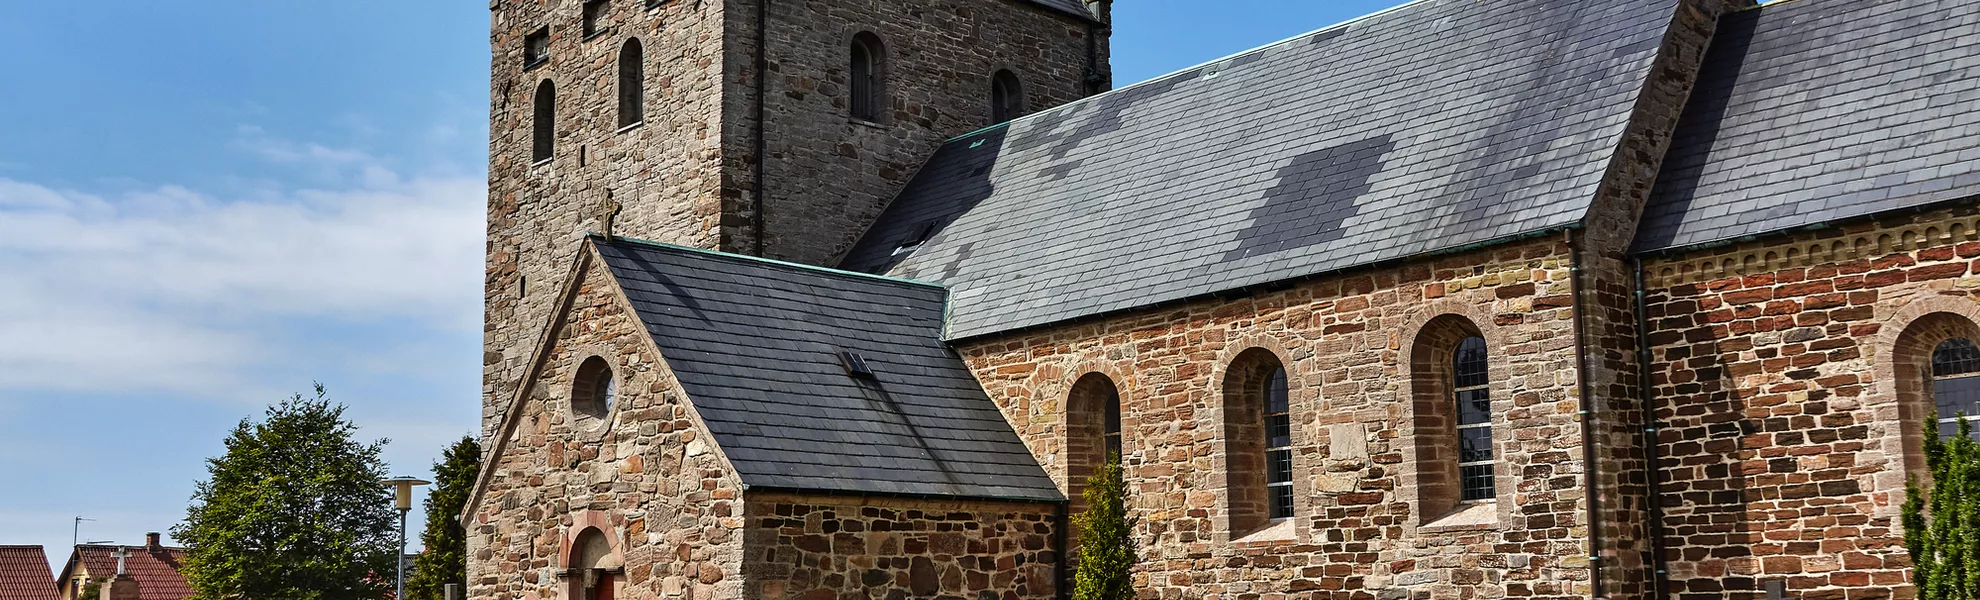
1842,85
1195,183
755,345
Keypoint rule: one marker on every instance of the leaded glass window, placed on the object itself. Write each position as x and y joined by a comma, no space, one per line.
1278,446
1472,392
1112,431
1956,384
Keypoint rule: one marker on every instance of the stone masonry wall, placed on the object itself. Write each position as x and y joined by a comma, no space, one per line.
663,172
828,174
645,475
1348,342
1609,329
816,547
1783,422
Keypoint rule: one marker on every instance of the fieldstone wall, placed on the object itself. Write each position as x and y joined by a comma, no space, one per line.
688,172
817,547
1347,342
646,474
828,174
1784,421
664,172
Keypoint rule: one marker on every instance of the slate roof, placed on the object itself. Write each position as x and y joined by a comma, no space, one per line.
756,345
156,571
1432,126
24,574
1817,110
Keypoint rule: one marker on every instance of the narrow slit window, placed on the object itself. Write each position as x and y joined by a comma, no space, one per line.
865,77
1006,97
543,129
632,84
1956,385
1111,430
1474,422
1278,446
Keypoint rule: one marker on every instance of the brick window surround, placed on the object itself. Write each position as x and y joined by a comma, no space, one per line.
1093,411
1434,413
1911,355
592,566
1245,396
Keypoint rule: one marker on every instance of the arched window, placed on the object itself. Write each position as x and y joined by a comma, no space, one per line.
595,571
543,127
1956,384
632,84
1093,430
1471,390
1451,419
1258,442
595,389
867,77
1006,97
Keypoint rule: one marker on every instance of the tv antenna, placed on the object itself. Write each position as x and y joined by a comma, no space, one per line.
75,533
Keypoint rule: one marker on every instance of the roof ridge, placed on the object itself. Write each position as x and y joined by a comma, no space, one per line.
1178,72
768,261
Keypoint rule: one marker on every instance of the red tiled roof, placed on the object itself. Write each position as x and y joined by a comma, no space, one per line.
24,574
156,572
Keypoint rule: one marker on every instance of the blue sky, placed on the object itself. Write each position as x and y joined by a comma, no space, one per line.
205,206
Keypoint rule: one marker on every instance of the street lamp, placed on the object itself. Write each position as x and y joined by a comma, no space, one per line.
402,499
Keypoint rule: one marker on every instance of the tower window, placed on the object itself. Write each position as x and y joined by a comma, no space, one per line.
866,77
543,128
1956,384
595,390
1006,97
632,84
1474,421
536,47
594,17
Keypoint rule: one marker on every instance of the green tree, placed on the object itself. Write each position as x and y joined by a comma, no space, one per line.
444,559
292,511
1106,538
90,591
1945,540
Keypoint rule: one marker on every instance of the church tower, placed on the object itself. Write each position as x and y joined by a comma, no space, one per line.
776,128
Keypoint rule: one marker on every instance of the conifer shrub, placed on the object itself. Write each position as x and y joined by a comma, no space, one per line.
1942,530
1106,543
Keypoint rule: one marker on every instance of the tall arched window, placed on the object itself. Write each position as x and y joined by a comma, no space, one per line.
867,76
632,84
1471,390
1956,384
1093,429
1258,438
543,127
1006,97
1451,419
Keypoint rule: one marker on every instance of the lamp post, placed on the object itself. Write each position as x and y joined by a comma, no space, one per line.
402,499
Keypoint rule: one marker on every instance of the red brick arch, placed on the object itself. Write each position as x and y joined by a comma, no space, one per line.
1903,393
1241,365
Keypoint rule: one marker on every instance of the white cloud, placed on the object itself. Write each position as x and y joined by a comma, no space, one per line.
172,288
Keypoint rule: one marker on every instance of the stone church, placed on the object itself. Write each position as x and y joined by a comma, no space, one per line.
1466,299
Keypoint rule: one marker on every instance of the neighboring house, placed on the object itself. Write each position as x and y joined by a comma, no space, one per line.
24,574
148,572
1548,299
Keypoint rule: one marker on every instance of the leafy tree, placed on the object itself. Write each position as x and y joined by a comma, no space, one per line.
1945,540
1106,542
90,591
292,511
444,559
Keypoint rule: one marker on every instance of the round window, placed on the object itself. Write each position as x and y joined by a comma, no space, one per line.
595,390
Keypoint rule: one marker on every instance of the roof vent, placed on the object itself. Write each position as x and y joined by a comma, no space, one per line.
855,364
916,238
